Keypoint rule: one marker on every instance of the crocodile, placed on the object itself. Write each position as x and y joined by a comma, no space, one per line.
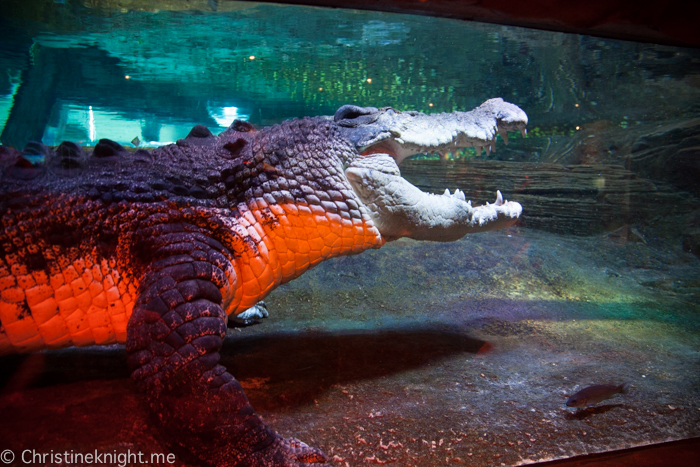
161,250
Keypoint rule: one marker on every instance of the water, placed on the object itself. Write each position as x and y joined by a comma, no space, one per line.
155,74
418,353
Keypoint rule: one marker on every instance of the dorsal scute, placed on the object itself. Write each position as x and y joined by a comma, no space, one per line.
199,135
68,159
28,164
106,148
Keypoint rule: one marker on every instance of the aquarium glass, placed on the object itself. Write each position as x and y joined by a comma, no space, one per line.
418,353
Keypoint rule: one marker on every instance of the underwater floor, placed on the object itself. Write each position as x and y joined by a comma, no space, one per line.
426,354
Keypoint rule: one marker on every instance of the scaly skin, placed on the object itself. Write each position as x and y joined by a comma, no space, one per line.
156,250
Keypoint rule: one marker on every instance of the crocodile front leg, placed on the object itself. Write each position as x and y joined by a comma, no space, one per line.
173,342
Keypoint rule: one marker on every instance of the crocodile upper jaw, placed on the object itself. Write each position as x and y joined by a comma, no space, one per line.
403,134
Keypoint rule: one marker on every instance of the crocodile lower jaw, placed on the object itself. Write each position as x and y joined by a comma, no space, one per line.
400,209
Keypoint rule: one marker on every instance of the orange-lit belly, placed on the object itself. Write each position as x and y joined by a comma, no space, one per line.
300,237
88,302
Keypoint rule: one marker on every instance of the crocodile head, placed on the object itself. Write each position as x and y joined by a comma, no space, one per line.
383,138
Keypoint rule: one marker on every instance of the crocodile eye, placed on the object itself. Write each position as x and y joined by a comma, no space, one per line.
351,112
242,126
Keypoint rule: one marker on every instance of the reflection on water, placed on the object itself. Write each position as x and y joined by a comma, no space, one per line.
169,70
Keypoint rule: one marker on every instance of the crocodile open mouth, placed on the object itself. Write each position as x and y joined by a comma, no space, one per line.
386,137
400,209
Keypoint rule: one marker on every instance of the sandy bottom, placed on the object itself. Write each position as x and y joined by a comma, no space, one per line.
425,354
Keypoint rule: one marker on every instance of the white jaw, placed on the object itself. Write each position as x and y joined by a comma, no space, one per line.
399,209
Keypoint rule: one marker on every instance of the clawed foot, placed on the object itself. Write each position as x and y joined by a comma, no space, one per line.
286,452
251,316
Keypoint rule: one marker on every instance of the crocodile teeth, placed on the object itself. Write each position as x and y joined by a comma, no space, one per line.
458,194
523,131
499,198
493,144
478,149
504,135
488,149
